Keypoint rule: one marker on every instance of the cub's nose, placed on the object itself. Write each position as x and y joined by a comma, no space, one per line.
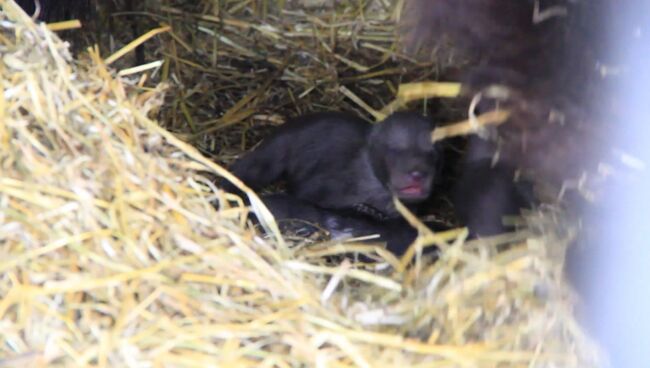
416,175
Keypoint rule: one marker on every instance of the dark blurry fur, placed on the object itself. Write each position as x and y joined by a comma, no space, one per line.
545,60
337,161
303,217
497,34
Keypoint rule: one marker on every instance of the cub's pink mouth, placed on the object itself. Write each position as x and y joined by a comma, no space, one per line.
412,190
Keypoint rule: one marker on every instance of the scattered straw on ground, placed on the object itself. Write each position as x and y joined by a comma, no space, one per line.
111,254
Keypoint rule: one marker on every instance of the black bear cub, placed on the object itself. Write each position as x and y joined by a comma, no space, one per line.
338,161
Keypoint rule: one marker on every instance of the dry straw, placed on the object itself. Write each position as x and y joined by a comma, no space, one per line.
111,253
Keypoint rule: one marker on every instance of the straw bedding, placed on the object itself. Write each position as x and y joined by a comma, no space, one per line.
111,253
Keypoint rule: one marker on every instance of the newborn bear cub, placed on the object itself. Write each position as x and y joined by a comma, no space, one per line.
340,162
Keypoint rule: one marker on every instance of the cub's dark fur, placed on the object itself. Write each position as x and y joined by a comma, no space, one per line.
484,192
337,161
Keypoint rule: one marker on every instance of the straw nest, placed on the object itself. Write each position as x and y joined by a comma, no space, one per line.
112,254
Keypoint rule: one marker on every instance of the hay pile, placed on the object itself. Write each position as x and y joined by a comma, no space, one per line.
243,67
111,254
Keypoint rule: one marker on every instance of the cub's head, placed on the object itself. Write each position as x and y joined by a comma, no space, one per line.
402,155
